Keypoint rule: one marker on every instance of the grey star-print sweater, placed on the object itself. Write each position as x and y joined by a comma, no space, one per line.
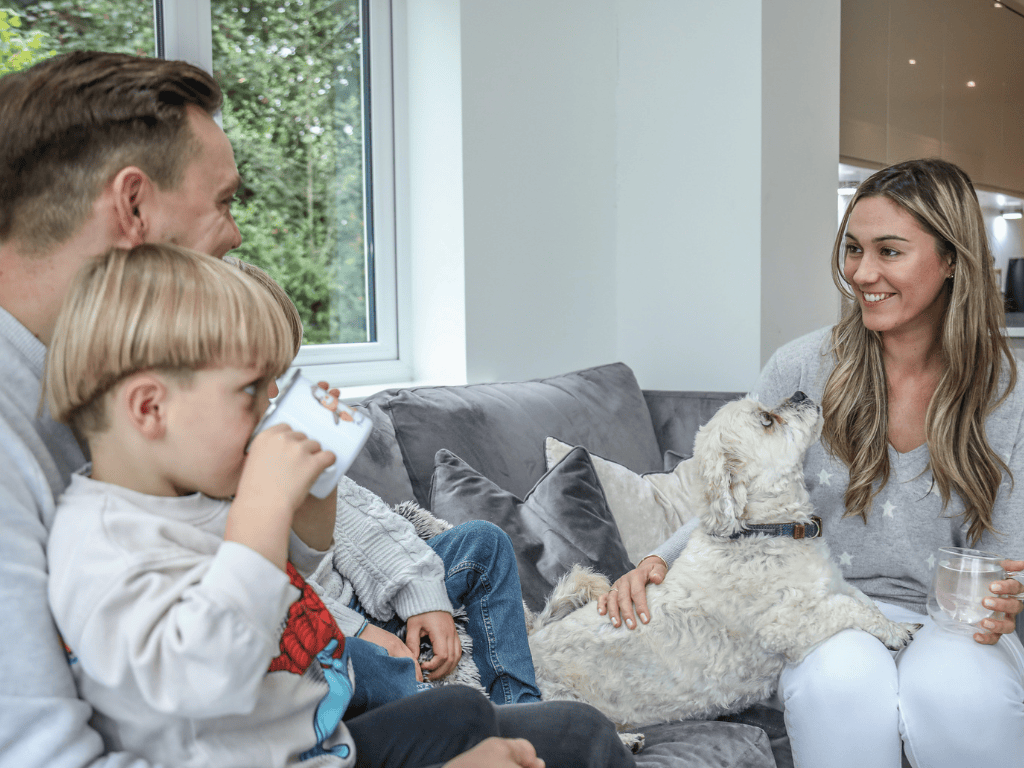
891,558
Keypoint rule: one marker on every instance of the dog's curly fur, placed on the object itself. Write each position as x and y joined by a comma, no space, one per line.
731,612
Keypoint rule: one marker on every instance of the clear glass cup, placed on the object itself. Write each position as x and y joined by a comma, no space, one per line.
961,581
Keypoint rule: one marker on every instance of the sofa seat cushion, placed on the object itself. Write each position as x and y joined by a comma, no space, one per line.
499,429
562,521
705,744
647,507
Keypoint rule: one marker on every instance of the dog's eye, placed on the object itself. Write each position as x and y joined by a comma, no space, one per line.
766,419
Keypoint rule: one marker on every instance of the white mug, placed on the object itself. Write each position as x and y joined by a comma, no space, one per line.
307,408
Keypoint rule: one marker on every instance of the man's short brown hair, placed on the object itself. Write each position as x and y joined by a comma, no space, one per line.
70,123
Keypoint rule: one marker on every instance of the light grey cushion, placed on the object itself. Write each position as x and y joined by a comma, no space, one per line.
647,507
499,429
562,521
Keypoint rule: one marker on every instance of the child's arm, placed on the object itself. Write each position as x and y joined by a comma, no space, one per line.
281,467
314,521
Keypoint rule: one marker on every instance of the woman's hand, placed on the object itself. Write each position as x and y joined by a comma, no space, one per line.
631,590
1009,605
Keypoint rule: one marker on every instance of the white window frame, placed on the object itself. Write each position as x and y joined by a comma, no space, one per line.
187,34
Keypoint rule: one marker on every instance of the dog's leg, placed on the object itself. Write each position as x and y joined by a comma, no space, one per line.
634,741
574,590
791,630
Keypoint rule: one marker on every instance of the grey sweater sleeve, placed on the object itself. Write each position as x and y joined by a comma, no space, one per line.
676,543
42,720
390,567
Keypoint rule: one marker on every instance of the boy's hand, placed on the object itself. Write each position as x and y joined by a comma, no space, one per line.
392,644
281,467
439,627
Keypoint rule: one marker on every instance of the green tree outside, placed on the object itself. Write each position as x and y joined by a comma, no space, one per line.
291,72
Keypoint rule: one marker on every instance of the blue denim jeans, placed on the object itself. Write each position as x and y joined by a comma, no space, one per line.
481,575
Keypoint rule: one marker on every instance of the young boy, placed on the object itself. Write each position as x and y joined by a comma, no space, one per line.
175,601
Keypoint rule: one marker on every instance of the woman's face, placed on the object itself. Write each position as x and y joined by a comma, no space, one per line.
894,268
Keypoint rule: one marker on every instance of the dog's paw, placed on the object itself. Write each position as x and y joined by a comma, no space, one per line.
634,741
900,635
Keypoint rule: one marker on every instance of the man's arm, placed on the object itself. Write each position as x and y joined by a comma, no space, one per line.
44,723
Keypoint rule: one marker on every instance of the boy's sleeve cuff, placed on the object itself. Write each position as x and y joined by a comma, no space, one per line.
305,559
422,597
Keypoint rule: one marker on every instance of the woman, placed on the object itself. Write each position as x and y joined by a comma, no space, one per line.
919,450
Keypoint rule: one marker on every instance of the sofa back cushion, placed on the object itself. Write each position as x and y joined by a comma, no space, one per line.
380,467
499,429
676,417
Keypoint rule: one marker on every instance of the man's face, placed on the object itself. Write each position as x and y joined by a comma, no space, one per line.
197,214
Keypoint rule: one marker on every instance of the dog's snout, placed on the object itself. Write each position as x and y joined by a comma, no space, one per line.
798,397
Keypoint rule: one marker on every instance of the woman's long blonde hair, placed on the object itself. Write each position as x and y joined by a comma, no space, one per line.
941,198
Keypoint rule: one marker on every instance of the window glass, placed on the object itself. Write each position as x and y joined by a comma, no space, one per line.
292,76
32,31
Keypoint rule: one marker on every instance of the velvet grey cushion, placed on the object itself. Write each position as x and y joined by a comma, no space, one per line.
563,520
499,429
379,466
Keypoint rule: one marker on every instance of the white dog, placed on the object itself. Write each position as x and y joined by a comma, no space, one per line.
739,603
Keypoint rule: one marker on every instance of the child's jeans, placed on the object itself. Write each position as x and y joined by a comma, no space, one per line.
481,576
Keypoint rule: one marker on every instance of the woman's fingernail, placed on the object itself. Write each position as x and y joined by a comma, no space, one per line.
988,624
643,618
996,587
629,623
615,622
988,602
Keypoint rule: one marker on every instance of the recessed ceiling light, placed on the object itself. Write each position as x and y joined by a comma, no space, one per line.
1015,212
971,83
913,61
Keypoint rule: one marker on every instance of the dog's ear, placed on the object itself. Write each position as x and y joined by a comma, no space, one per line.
721,491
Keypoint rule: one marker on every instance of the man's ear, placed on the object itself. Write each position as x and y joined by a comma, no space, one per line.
145,396
132,190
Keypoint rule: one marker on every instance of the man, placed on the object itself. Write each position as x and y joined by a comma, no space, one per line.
100,150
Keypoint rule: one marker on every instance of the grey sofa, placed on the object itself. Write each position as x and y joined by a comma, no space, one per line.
477,451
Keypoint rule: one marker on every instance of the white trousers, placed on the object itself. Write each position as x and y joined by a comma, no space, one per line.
947,700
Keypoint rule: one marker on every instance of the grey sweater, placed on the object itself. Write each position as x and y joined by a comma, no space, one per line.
891,557
42,720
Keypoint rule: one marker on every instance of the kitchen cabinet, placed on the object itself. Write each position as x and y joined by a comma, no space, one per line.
934,78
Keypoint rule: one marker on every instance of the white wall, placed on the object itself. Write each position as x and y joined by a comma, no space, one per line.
799,154
430,112
538,119
640,182
689,220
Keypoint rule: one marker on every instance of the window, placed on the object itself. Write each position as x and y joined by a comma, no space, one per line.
316,208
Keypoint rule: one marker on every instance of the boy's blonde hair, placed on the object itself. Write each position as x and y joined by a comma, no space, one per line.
157,307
